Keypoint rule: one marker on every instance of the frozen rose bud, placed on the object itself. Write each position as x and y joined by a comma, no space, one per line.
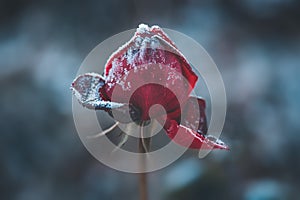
148,70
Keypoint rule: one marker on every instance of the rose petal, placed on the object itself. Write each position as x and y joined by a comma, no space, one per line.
151,94
193,115
188,138
149,56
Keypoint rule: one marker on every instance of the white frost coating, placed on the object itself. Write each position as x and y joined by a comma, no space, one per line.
191,125
137,42
133,52
155,27
143,28
174,75
87,94
86,90
214,139
93,74
154,43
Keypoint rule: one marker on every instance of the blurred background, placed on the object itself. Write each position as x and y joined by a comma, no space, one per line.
255,44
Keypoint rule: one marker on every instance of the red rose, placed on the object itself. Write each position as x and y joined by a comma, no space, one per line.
149,70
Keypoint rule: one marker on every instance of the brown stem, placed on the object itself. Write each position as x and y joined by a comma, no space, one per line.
142,176
143,186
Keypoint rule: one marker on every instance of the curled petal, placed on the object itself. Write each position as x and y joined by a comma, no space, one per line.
193,115
187,137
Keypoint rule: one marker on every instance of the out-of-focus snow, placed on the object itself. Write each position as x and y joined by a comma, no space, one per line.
183,173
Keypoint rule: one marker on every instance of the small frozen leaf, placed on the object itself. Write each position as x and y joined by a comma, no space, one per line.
87,87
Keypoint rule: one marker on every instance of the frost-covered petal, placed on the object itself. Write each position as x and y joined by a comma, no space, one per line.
188,138
133,64
190,129
87,90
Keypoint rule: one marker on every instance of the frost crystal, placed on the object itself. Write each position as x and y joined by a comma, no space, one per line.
143,28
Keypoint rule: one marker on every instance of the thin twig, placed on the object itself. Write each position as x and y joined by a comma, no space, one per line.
104,132
145,141
123,141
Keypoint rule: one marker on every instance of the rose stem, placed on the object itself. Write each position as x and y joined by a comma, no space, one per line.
143,176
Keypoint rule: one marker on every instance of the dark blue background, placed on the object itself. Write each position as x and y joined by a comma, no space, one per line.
255,44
